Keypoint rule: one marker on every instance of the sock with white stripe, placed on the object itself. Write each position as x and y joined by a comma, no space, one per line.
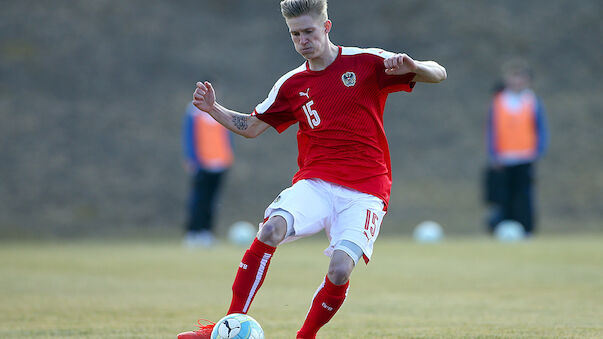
250,276
327,300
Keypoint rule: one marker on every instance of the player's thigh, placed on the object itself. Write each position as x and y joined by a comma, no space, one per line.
308,205
359,224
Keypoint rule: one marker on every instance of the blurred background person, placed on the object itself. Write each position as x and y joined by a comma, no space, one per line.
208,152
516,138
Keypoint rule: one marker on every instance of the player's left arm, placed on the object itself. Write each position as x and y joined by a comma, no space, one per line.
425,71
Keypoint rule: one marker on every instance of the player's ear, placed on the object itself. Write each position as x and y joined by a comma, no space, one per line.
328,25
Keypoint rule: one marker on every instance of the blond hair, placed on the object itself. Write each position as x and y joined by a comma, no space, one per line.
296,8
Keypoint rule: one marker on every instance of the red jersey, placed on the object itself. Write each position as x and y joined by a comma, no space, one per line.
341,138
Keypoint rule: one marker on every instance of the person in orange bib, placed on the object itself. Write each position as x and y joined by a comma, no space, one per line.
208,152
517,138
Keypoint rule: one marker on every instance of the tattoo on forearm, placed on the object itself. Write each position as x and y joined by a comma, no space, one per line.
240,122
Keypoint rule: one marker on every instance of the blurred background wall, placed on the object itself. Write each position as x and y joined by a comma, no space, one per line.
92,95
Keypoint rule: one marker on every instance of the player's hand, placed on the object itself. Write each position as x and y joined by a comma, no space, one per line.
204,97
399,64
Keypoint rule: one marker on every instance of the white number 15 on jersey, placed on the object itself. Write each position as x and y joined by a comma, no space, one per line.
311,114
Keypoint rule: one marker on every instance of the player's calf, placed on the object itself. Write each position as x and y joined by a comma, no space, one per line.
326,302
250,276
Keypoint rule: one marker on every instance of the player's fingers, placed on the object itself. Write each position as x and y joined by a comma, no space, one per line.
200,93
396,61
400,59
210,88
200,85
388,63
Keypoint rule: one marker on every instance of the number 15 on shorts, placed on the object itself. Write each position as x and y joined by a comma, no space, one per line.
371,225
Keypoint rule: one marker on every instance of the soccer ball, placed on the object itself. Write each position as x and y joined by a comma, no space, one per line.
242,233
509,231
237,326
428,232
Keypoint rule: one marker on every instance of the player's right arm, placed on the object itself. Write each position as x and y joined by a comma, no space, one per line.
204,98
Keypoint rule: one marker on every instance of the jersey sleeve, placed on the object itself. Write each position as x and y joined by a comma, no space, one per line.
275,110
392,83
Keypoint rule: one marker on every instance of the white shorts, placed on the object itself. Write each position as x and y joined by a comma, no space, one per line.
345,214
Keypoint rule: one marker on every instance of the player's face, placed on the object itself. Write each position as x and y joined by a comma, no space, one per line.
517,81
309,35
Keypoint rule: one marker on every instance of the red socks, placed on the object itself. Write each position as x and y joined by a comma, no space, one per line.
327,300
250,276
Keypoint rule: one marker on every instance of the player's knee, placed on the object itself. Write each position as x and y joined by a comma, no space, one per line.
339,272
273,231
339,275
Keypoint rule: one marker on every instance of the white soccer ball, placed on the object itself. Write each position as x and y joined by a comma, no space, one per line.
509,231
237,326
428,232
242,233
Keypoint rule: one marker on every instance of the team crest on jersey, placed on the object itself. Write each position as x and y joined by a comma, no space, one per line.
349,79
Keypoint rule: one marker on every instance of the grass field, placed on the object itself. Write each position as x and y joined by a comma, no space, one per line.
549,287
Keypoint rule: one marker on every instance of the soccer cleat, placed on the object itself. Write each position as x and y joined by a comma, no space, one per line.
204,331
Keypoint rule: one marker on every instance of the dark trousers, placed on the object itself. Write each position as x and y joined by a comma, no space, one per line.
204,194
509,192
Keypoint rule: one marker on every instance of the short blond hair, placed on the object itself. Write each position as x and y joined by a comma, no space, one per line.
296,8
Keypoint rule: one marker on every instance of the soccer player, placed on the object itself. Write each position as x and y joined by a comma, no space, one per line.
337,97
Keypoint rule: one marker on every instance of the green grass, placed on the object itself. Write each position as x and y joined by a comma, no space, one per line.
549,287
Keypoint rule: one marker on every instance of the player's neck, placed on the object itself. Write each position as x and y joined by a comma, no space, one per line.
323,61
